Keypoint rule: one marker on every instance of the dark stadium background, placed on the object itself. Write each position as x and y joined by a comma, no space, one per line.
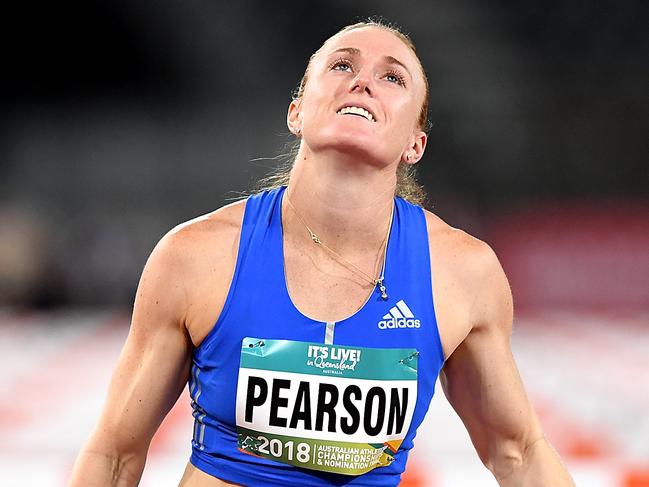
119,120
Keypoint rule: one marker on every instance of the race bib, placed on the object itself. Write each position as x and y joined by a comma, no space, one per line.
331,408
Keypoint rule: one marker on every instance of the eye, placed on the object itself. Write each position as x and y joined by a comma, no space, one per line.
395,77
341,65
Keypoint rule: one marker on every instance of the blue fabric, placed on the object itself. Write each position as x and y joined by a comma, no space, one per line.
258,305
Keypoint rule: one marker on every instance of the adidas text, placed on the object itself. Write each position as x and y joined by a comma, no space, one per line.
399,316
399,323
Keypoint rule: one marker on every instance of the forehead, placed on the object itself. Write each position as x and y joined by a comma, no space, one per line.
376,42
372,40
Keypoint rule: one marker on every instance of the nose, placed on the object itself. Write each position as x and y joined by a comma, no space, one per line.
362,82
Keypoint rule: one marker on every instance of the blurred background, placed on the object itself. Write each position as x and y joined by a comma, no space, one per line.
120,120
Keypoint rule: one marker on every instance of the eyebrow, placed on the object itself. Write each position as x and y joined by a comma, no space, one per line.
388,59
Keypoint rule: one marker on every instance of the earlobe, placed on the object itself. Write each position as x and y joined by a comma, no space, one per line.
415,152
293,118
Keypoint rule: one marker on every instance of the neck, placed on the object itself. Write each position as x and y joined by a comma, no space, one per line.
345,202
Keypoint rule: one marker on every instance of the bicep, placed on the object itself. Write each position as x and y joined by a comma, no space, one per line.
481,379
154,364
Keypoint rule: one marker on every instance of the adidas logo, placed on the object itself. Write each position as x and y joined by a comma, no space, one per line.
399,316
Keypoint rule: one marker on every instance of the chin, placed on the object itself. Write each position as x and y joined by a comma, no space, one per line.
353,146
357,143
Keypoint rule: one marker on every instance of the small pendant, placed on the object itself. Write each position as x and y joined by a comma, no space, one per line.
379,283
384,295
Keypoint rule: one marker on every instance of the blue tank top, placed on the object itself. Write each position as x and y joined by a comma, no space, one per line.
258,305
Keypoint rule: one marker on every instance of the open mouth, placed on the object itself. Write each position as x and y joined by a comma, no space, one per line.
353,110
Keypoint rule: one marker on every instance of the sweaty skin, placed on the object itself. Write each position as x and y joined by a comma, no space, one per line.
343,184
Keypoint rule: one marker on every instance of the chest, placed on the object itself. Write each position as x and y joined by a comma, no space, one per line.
331,291
326,288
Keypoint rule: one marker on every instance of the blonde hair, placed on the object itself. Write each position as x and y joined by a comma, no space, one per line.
407,186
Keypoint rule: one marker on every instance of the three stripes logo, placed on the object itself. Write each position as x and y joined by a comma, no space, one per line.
399,316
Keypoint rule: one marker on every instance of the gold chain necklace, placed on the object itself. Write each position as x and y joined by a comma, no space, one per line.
375,282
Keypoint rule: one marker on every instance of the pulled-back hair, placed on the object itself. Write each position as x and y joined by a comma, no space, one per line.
407,185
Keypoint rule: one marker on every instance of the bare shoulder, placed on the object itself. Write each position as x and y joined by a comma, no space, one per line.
469,284
199,257
472,259
207,233
189,250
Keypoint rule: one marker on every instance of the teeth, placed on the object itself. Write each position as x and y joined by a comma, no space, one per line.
357,111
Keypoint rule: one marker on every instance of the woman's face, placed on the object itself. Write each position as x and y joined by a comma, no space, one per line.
363,97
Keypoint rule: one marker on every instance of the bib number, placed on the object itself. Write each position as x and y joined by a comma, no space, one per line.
330,408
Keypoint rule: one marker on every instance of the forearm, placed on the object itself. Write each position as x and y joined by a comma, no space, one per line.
100,469
538,466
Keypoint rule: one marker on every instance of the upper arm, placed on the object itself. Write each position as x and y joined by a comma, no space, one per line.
154,364
481,379
187,272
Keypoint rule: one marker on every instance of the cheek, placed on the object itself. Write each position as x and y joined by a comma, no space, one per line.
407,118
314,103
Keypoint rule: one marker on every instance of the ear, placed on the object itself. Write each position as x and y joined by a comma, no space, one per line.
414,151
294,117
